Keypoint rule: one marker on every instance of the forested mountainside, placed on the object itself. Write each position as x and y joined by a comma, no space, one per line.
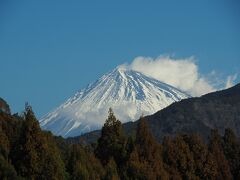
27,152
218,110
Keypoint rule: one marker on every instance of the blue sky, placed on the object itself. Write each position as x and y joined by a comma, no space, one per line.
51,49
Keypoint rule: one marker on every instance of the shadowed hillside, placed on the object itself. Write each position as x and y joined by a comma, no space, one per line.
218,110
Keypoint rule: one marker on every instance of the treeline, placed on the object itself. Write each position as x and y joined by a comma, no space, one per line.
27,152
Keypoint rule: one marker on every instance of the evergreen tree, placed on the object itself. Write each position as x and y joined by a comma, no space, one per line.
210,169
231,147
4,144
83,165
112,143
179,158
215,147
7,171
55,167
199,151
27,152
145,161
204,163
34,158
111,171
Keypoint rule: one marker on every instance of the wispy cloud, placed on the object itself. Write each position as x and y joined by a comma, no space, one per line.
230,80
181,73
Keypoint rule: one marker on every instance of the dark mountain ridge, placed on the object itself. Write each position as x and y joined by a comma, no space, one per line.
217,110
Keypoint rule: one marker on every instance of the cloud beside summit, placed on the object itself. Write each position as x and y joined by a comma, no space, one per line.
180,73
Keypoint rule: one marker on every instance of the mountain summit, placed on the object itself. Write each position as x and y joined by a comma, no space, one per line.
128,92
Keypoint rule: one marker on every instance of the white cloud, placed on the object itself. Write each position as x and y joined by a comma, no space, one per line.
180,73
230,80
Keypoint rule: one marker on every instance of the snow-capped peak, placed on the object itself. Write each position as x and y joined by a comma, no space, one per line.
128,92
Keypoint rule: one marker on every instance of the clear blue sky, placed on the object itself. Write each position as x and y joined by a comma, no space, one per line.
49,49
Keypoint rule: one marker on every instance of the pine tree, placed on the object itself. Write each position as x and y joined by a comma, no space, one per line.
204,163
231,147
215,147
83,165
34,158
4,144
210,169
7,171
179,158
199,151
145,161
111,171
112,142
169,153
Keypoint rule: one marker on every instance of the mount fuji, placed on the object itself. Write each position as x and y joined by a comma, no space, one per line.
129,93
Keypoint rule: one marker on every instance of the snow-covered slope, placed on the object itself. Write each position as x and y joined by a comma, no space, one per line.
129,93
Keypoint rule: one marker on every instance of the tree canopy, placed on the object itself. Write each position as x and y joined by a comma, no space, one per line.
27,152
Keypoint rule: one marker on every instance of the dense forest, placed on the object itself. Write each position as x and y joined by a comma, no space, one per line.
27,152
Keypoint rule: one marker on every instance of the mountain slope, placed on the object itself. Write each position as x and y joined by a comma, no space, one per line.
218,110
128,92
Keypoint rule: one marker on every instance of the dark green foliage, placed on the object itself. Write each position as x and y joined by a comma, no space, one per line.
4,144
29,155
111,170
145,161
231,148
7,170
35,154
203,167
27,152
82,164
215,147
112,142
178,158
